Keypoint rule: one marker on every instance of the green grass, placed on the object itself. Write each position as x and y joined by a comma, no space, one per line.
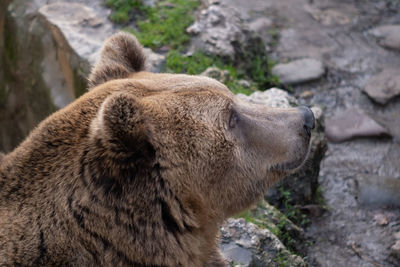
268,217
292,212
260,71
122,9
199,62
162,25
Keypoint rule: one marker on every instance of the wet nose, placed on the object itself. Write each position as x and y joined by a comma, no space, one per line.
309,120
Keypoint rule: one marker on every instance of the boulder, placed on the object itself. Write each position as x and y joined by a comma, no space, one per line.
388,36
352,123
217,29
260,25
384,86
375,190
395,249
244,244
267,216
272,97
299,71
329,16
220,30
220,75
304,183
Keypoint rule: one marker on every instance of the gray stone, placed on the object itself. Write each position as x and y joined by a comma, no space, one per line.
384,86
218,74
154,61
150,3
328,16
395,249
396,235
82,29
299,71
244,244
216,29
352,123
388,36
244,83
267,216
273,97
220,30
260,25
376,190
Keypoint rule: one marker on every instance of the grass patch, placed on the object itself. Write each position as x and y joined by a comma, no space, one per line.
162,25
199,62
123,9
260,71
292,212
268,217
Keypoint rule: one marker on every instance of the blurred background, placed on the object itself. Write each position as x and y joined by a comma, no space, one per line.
340,57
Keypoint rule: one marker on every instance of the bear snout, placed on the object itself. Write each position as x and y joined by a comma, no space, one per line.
309,120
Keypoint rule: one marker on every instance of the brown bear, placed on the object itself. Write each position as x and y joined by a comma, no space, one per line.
142,169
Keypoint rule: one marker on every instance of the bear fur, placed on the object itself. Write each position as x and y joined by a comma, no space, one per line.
141,170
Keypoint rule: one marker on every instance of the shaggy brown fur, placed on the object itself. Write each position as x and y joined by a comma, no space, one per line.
141,170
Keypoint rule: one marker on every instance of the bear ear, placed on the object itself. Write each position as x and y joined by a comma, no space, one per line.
121,126
121,55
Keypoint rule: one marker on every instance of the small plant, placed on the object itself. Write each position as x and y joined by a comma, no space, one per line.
123,9
199,62
293,213
260,71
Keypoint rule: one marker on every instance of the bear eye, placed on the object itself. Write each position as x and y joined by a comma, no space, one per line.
233,120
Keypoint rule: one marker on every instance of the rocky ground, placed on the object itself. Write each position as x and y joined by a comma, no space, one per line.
359,176
342,57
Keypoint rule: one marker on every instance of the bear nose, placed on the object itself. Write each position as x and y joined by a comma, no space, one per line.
309,120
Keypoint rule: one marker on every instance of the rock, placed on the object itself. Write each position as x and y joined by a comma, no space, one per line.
395,249
244,244
352,123
77,34
273,97
244,83
388,36
220,30
154,61
397,235
306,94
384,86
218,74
149,3
267,216
260,25
217,28
381,219
299,71
304,183
24,97
328,17
376,190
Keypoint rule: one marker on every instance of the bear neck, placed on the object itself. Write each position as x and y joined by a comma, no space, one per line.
127,202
